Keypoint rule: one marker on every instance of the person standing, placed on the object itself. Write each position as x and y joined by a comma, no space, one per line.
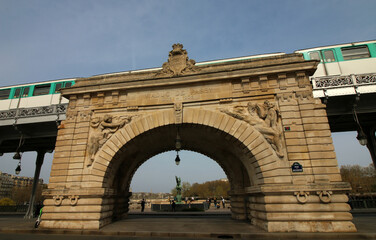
223,203
173,205
143,205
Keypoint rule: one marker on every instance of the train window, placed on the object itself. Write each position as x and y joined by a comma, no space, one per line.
4,94
68,84
357,52
25,92
17,93
314,55
329,56
41,89
58,86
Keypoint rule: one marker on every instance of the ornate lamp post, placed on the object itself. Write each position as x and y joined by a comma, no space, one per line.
362,138
18,168
177,148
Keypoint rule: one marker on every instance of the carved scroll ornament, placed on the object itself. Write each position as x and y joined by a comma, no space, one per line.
101,130
178,62
264,118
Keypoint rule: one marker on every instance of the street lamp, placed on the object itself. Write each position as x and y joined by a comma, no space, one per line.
18,168
177,159
177,148
362,138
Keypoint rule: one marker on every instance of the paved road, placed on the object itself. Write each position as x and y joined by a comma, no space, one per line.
176,227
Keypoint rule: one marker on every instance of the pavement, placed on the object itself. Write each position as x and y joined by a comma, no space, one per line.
212,224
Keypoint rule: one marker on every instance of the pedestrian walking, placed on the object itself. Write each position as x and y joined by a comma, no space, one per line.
143,205
223,203
173,205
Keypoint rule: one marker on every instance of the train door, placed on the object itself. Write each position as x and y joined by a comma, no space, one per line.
329,62
19,97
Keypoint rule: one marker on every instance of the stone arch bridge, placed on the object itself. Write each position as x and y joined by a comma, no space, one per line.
255,117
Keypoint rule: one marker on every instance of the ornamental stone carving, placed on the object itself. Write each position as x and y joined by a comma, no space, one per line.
178,107
58,200
264,118
178,63
101,130
302,196
325,196
73,200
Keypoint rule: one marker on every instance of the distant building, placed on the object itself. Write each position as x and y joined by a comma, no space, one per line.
6,185
9,181
223,179
20,182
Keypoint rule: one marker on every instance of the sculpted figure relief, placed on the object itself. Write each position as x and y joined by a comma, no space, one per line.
264,118
102,129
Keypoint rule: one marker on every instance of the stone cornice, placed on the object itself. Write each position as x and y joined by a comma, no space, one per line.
212,72
336,186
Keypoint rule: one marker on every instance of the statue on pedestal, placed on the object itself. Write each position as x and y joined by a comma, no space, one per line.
178,189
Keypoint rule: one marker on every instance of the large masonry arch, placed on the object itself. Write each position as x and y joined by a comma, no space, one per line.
255,117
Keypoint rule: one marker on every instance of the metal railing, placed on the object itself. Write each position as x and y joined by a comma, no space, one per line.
343,81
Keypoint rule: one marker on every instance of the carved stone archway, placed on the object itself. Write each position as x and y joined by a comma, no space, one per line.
255,117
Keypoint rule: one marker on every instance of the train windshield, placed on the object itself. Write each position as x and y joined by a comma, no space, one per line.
314,55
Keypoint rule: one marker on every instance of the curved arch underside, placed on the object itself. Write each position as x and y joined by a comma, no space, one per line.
225,150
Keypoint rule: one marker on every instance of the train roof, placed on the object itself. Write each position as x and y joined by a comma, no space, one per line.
154,69
334,46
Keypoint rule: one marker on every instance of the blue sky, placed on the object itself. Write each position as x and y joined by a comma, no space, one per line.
47,40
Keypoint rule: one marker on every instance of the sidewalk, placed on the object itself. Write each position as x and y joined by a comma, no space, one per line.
211,224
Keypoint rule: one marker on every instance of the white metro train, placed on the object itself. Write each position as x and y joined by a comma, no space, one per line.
340,65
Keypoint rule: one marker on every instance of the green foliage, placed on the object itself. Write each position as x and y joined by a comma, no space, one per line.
7,202
361,179
216,188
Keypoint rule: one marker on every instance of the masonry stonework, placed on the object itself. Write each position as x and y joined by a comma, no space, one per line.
254,117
